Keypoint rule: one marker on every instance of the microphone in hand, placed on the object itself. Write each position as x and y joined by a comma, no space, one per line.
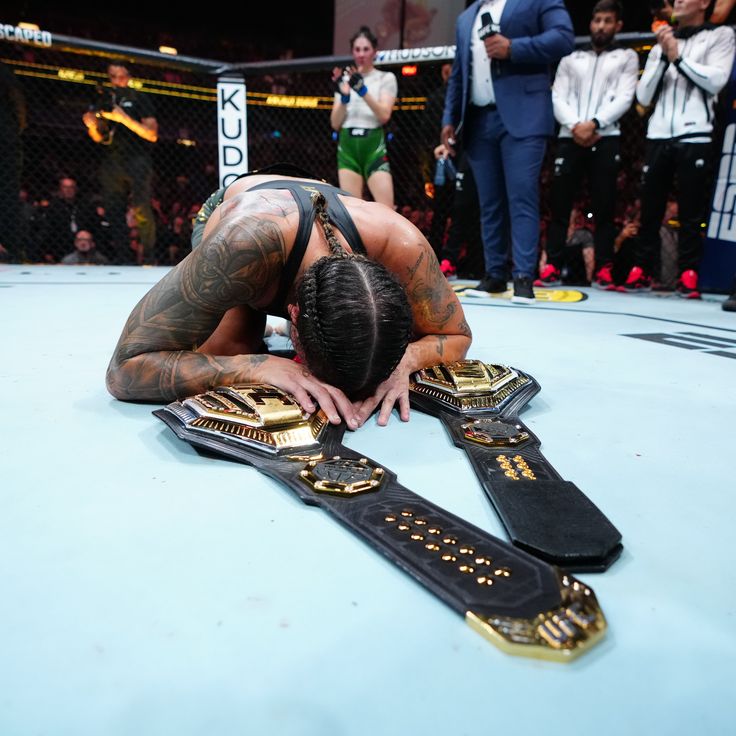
487,27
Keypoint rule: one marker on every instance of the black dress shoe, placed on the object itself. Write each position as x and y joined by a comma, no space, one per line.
523,291
492,285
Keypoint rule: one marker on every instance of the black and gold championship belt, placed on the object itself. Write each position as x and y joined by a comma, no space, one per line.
520,603
479,404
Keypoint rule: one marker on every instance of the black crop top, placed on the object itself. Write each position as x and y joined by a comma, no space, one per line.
337,214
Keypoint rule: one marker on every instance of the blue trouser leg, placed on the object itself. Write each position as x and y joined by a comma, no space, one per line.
484,155
522,163
506,170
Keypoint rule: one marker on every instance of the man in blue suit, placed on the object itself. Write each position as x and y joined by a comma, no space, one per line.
499,95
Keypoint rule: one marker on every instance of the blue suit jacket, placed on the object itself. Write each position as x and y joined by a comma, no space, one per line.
541,34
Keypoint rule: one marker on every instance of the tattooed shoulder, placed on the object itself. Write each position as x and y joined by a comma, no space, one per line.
237,264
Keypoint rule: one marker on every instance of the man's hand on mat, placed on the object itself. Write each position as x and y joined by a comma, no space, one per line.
297,380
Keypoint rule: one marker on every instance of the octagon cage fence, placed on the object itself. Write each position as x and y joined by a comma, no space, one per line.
288,111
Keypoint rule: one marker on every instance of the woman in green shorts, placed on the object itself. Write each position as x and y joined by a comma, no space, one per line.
363,104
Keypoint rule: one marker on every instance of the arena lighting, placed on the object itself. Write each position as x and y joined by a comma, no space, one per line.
168,50
85,76
409,70
71,75
29,26
293,101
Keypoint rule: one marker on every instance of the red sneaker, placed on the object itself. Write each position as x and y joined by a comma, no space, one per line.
637,281
604,279
447,268
687,286
550,276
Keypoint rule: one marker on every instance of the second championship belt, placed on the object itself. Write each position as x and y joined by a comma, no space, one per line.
550,517
520,603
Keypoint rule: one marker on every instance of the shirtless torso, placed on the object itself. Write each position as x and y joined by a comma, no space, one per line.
202,324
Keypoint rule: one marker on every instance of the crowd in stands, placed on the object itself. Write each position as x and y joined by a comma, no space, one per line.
52,215
50,224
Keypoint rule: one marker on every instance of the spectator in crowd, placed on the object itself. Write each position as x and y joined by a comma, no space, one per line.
443,185
12,124
123,120
661,11
665,273
85,253
136,248
363,104
64,217
622,247
499,94
576,257
723,11
173,242
356,280
101,228
593,88
664,277
280,82
183,193
684,72
204,181
462,250
30,228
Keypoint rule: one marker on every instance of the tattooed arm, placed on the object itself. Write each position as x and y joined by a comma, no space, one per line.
441,331
156,358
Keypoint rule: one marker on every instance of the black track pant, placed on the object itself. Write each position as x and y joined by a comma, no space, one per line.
689,164
465,226
600,164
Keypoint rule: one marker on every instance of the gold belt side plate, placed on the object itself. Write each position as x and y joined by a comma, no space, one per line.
560,635
468,384
257,415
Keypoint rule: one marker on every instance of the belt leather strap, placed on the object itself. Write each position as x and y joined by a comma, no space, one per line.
479,404
520,603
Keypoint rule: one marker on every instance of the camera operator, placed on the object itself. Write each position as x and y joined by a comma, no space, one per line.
124,123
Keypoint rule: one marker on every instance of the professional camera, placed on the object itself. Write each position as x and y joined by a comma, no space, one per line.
103,100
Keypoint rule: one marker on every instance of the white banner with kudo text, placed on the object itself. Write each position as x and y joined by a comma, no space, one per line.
232,129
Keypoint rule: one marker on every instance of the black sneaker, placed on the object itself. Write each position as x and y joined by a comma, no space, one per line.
492,285
523,291
730,304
